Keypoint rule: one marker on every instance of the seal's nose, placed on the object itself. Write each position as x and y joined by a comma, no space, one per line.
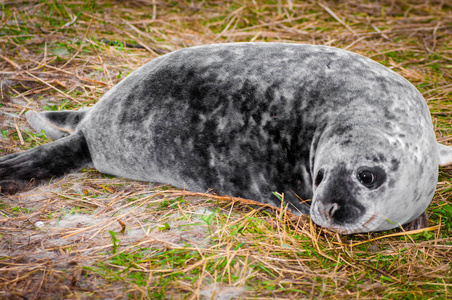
341,211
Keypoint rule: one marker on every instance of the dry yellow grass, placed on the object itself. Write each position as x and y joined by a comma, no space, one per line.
88,235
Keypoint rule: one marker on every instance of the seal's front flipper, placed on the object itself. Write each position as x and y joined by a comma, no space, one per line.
44,162
445,155
10,187
419,223
294,203
56,124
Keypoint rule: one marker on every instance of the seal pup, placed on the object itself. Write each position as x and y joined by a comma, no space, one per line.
249,119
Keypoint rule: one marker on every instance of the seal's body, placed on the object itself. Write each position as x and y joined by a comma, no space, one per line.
249,119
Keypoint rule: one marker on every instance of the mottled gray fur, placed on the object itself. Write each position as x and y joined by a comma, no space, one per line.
250,119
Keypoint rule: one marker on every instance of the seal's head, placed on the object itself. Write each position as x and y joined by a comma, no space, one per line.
365,179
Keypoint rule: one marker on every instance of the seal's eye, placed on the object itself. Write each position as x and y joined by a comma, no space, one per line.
371,177
367,178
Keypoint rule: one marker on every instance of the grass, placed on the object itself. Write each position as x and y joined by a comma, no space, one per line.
89,235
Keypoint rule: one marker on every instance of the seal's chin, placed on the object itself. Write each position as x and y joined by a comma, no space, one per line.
350,229
347,229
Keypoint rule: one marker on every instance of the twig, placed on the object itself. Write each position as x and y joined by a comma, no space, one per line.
434,39
11,62
355,42
328,10
19,133
53,87
379,31
140,42
433,228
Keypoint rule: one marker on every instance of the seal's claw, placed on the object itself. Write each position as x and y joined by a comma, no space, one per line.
419,223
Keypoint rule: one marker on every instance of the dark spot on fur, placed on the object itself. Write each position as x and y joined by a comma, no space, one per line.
395,163
418,198
345,142
388,115
382,157
416,195
379,158
342,129
391,183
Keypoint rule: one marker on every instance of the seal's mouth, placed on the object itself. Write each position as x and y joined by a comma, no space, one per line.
369,220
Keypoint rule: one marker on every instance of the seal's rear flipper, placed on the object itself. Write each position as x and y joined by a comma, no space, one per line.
56,124
44,162
445,155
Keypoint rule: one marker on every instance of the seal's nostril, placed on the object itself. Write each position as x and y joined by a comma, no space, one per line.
319,177
333,208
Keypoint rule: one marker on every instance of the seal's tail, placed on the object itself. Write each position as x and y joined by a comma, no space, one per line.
44,162
56,124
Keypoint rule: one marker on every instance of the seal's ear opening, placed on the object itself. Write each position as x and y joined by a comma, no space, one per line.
445,155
